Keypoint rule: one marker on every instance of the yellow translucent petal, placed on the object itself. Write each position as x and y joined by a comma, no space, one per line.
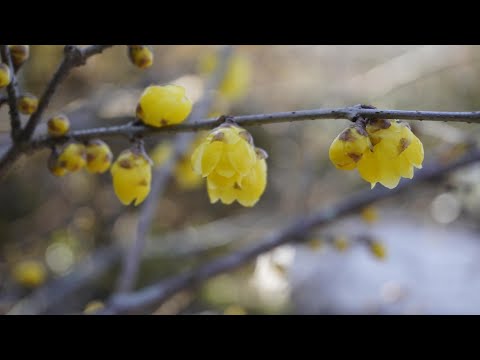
404,167
228,196
230,134
217,181
224,167
253,185
415,153
211,156
368,168
242,157
196,159
389,176
213,194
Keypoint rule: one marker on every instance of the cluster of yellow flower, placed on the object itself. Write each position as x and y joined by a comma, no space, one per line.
27,103
383,151
240,172
235,169
95,156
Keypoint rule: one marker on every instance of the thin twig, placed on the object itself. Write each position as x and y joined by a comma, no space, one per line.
156,294
161,177
73,57
12,91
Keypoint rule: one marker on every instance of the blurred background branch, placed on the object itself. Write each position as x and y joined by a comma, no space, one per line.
156,294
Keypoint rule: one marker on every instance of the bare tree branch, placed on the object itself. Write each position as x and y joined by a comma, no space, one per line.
157,294
73,57
129,130
162,176
12,91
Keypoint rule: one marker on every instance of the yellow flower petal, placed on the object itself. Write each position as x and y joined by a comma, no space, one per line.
242,157
211,157
368,168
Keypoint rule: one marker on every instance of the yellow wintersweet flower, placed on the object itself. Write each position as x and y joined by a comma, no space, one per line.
99,157
395,153
225,156
140,55
58,125
5,75
163,105
30,273
237,76
348,147
132,175
73,157
246,190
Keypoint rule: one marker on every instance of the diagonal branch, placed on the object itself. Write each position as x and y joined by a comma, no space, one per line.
161,177
156,294
12,91
73,57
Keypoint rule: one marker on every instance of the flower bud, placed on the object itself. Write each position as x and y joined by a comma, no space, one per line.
27,104
140,55
99,157
58,125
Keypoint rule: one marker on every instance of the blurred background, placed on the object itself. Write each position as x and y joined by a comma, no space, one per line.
61,238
